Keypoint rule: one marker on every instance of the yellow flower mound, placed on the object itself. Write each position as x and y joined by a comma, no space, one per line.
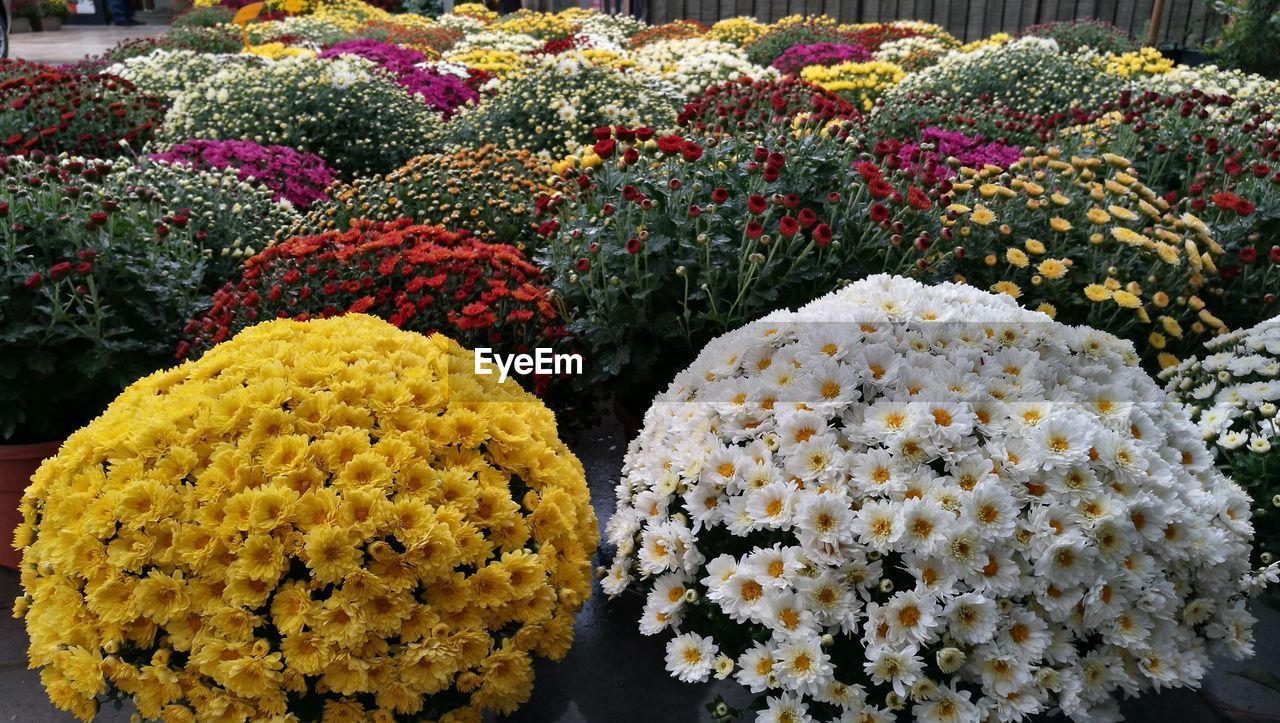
1140,63
859,83
737,31
325,520
502,63
276,51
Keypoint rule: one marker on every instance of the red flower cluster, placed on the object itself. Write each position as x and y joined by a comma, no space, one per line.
746,104
874,36
43,109
419,278
675,30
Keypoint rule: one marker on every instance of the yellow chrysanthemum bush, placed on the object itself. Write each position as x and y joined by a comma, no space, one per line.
861,84
329,520
1084,240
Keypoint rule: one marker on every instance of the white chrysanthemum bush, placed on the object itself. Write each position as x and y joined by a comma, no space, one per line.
926,503
1232,393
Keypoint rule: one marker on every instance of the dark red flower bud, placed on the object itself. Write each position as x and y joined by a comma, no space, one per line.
719,195
1275,255
674,184
60,270
822,234
879,213
761,153
788,226
694,211
604,148
98,218
807,218
757,204
34,280
83,268
633,245
583,265
754,229
631,155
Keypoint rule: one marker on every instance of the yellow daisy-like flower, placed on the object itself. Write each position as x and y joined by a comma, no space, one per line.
1059,224
1008,288
1052,269
1125,299
1034,246
1016,257
1097,293
1097,216
1129,236
1048,309
351,527
982,215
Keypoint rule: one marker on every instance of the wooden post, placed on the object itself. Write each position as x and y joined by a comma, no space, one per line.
1153,31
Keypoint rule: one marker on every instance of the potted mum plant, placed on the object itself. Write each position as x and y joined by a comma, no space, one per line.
93,286
52,12
22,15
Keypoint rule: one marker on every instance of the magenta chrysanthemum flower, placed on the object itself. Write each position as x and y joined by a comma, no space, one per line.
798,57
300,178
442,91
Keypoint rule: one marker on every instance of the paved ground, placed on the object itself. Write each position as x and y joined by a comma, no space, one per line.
74,42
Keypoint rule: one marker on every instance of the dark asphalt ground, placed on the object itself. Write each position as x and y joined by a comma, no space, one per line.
613,674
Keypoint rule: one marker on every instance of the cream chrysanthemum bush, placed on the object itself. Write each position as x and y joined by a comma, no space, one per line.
928,502
325,520
695,64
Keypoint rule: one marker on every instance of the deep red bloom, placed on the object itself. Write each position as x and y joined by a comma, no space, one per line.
83,268
788,226
1275,254
879,188
1248,254
807,218
757,204
879,213
583,265
822,234
604,148
719,195
1225,199
602,132
631,155
60,270
671,145
918,199
692,152
754,229
633,245
34,280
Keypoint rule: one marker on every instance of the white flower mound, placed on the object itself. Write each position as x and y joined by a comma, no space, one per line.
929,500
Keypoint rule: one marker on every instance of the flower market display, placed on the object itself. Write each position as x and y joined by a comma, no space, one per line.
867,506
351,269
346,534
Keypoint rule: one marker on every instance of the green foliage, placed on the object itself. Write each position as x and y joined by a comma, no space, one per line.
1249,36
97,280
343,110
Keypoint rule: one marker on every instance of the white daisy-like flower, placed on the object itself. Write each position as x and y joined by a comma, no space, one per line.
691,657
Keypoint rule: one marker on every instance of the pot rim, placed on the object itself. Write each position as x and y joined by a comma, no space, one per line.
37,450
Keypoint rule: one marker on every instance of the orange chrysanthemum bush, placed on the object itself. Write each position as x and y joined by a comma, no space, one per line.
333,520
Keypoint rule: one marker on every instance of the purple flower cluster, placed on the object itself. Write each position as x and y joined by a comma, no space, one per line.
300,178
442,91
798,57
972,151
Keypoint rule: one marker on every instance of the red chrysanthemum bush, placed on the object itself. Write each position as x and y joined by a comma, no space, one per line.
44,109
747,104
418,278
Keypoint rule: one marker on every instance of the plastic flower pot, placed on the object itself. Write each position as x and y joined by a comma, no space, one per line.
17,463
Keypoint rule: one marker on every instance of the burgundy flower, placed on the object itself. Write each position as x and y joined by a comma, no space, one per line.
719,195
822,234
757,204
788,226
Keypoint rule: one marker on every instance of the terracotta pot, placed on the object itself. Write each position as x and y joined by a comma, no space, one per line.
17,463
